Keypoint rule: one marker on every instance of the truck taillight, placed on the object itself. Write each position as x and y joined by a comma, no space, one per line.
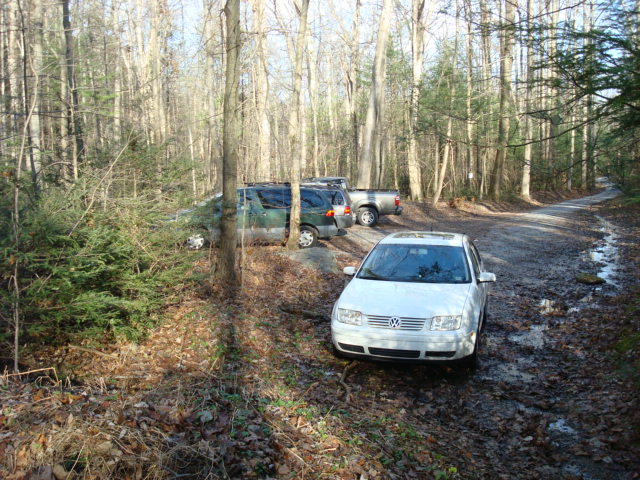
330,213
347,210
397,200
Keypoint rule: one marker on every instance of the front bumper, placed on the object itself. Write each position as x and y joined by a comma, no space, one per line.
390,345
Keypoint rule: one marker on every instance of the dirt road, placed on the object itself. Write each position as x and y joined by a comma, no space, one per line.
539,406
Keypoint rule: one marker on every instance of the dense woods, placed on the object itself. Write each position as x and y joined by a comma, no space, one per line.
113,116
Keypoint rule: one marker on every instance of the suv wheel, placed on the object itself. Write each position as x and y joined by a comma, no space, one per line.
308,237
367,216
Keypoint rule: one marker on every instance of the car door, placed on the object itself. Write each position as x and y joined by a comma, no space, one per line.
272,214
314,207
248,217
476,264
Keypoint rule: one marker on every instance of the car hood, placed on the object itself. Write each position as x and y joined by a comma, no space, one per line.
404,299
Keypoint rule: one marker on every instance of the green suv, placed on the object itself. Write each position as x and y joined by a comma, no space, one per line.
264,214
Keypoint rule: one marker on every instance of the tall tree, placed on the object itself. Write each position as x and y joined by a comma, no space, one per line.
36,67
417,59
372,121
74,121
525,184
506,64
295,126
261,86
230,145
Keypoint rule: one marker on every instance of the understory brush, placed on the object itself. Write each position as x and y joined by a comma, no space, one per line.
72,271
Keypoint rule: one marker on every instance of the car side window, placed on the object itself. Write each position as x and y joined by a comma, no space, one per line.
311,199
274,198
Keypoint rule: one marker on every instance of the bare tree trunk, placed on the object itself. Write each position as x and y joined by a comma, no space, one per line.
365,162
230,144
194,183
469,151
117,80
525,186
312,68
352,83
487,81
295,127
417,48
587,21
73,115
439,180
506,63
36,68
263,172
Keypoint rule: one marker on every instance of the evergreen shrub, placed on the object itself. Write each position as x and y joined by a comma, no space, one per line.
88,272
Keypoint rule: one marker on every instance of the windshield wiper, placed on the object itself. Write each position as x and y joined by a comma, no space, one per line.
370,275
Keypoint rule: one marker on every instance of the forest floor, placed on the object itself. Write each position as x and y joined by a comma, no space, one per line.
249,388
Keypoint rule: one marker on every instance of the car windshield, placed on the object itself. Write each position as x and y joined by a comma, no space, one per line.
416,263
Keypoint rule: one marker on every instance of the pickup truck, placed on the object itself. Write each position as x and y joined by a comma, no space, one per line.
366,205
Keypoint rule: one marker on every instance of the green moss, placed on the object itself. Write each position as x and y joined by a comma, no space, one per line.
589,279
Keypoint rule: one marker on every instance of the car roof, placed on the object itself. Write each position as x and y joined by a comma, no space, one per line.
425,238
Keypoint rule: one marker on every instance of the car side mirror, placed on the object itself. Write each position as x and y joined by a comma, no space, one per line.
351,271
486,277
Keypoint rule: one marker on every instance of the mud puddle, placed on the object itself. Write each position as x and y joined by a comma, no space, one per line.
606,253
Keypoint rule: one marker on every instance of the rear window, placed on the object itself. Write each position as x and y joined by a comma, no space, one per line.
336,197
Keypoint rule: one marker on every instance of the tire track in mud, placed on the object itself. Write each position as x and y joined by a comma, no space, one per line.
536,256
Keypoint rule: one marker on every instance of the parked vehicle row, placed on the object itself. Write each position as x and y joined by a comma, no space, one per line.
366,204
327,210
263,216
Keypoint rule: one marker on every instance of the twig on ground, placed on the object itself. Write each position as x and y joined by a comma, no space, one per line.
346,387
29,372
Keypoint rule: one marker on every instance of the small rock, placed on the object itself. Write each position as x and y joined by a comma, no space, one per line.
42,473
60,473
589,279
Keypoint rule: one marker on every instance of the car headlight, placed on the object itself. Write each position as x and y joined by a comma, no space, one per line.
352,317
448,322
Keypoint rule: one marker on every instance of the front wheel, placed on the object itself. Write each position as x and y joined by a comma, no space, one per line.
308,237
367,216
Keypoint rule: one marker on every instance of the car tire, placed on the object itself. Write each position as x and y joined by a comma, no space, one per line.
367,216
308,237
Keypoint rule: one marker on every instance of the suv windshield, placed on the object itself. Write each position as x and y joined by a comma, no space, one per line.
416,263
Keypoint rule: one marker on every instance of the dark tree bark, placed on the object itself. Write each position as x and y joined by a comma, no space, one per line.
74,124
226,271
295,126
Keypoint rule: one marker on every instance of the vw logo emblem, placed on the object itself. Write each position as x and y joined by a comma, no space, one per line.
394,322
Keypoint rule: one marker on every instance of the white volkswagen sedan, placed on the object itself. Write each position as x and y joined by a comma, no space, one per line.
418,296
